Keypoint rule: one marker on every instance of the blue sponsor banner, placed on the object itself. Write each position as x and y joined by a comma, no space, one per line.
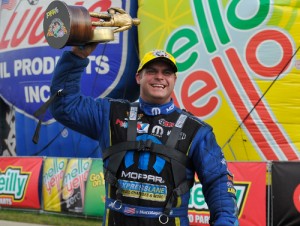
27,77
55,140
27,63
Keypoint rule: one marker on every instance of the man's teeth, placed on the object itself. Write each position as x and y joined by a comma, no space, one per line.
159,86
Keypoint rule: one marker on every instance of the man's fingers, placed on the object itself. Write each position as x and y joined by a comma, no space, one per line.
84,50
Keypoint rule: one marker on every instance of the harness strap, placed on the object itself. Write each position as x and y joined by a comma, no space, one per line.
132,122
113,181
176,130
110,178
182,185
178,169
115,160
183,188
40,113
179,172
141,211
179,161
147,145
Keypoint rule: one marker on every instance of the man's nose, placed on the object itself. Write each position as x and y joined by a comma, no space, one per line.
159,74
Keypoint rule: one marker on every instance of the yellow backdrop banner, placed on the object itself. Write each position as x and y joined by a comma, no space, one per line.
238,69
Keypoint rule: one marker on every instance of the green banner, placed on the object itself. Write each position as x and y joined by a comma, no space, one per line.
95,190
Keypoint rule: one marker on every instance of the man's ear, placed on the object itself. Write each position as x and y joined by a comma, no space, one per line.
137,78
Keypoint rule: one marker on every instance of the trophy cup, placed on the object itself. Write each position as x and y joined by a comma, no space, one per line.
66,25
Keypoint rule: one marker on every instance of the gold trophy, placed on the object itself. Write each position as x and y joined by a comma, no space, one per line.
66,25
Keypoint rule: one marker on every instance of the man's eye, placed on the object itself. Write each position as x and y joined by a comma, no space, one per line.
168,73
151,72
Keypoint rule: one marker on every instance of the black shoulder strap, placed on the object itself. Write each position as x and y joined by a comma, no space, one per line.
176,130
178,169
116,159
182,185
132,121
41,112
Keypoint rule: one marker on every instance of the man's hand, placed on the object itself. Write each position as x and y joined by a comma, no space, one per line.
84,51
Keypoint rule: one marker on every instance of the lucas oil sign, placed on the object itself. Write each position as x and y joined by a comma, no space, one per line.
27,61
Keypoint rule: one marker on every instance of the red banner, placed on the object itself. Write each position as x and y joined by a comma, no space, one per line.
250,185
19,180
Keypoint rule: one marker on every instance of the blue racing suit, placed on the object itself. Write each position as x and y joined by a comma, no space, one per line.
138,193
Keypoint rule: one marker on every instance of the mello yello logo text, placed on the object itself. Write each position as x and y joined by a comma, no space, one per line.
54,175
75,177
229,48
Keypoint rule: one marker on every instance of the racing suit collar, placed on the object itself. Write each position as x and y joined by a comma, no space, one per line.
156,109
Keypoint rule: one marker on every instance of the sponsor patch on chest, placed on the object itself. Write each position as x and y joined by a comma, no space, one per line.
145,191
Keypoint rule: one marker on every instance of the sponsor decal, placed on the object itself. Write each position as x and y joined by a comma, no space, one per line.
13,184
75,177
141,127
197,202
155,111
121,123
138,176
133,113
139,116
170,108
203,218
57,29
180,121
52,12
143,191
150,212
165,123
157,131
53,175
161,53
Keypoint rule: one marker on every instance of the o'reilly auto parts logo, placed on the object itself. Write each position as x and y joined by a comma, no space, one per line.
13,184
198,204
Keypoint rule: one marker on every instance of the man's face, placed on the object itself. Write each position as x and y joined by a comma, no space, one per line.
156,82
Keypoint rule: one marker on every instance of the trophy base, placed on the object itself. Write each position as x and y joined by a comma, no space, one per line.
102,35
66,25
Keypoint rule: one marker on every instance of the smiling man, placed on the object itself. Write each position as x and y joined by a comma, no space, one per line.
151,149
156,77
